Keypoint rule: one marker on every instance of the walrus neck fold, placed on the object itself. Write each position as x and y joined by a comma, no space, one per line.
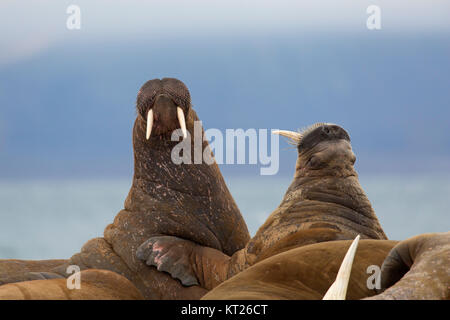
324,202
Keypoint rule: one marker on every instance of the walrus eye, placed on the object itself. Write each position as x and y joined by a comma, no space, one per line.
314,162
182,121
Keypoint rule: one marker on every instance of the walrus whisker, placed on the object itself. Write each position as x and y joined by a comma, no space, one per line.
338,289
149,123
182,121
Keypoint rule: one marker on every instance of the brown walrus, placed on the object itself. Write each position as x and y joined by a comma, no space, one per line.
190,201
297,253
324,202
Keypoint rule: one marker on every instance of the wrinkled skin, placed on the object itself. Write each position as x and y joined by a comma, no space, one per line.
190,201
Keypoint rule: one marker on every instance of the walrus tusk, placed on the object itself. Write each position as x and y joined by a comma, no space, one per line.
182,121
294,136
338,289
149,123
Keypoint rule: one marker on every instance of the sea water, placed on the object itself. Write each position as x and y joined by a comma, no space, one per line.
53,219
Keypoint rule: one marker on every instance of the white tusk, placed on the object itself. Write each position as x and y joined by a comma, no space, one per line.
295,136
182,121
338,289
149,123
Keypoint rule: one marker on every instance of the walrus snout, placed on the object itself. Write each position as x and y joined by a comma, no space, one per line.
163,104
164,112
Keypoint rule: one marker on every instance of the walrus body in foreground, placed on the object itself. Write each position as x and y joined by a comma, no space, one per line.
305,273
416,268
190,201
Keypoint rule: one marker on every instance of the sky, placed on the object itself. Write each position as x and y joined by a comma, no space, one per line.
67,96
30,27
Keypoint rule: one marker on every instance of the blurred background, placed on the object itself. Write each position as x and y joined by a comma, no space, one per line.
67,103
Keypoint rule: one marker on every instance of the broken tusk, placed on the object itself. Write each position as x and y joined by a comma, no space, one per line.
149,123
182,121
295,136
338,289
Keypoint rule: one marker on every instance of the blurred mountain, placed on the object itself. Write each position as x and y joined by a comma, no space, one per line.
69,110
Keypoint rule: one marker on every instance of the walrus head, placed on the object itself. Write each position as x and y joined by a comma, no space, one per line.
163,104
324,149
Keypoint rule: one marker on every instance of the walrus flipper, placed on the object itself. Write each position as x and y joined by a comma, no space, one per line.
170,254
191,263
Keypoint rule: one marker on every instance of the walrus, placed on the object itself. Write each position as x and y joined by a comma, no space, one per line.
324,202
417,268
297,252
189,201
